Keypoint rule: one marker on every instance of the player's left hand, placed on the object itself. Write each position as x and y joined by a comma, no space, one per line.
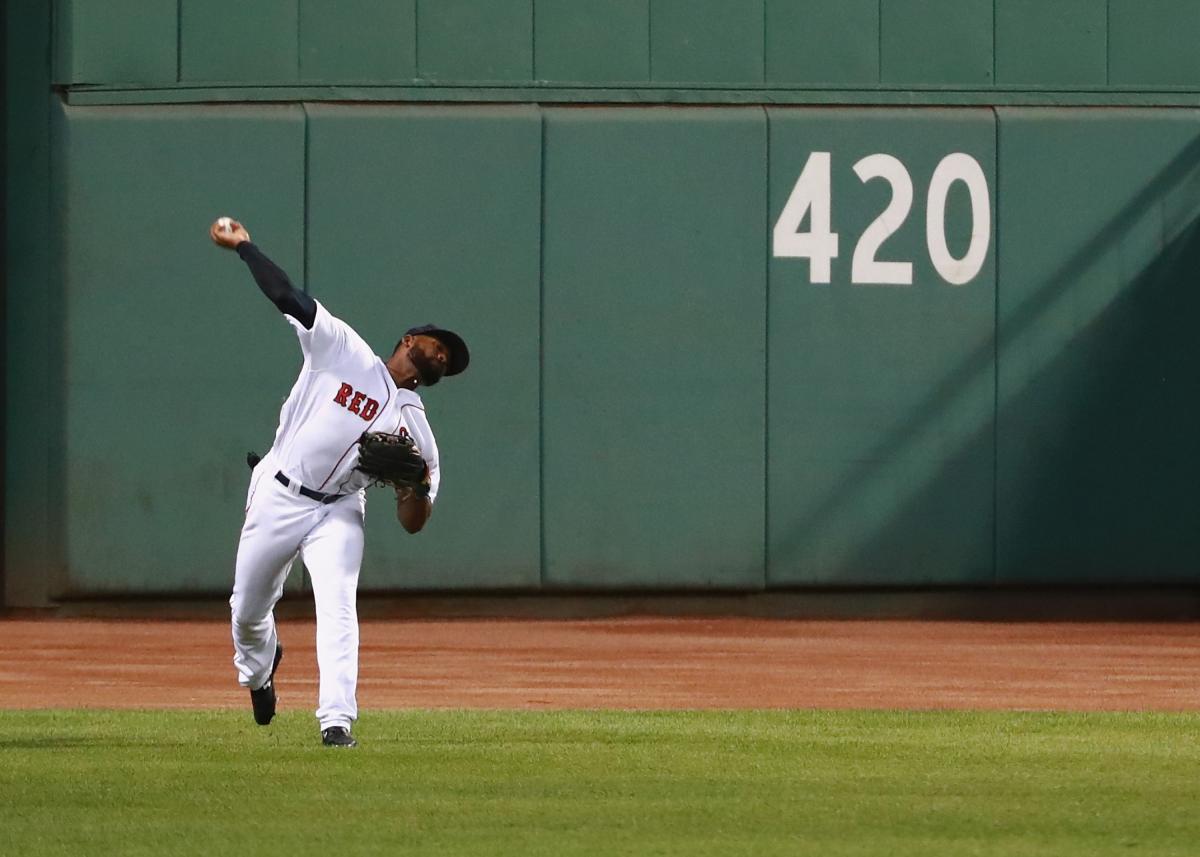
228,233
393,459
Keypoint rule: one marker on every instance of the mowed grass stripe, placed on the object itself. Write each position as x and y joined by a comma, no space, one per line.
602,782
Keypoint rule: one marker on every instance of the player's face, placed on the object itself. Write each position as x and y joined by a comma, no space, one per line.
429,357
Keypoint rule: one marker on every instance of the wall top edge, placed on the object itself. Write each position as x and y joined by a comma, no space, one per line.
107,95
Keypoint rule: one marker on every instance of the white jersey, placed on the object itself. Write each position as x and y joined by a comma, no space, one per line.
343,390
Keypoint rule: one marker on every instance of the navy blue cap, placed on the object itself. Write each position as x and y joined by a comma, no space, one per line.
459,355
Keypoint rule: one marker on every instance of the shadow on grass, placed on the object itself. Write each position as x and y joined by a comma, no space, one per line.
74,742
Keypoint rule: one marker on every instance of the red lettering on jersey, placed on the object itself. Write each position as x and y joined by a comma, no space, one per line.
357,403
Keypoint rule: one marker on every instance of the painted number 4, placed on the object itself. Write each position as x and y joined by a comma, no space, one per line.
812,198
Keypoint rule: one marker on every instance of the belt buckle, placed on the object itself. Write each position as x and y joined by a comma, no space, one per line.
293,486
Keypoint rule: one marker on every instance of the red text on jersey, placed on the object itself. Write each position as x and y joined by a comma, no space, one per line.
357,403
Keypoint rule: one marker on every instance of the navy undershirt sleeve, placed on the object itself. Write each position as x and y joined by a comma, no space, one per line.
276,286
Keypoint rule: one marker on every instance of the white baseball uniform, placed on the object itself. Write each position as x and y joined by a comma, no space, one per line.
343,390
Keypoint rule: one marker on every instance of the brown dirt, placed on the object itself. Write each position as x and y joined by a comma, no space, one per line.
624,663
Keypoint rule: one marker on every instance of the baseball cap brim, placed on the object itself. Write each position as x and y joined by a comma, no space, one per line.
459,355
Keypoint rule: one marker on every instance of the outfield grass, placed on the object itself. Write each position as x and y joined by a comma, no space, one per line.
695,783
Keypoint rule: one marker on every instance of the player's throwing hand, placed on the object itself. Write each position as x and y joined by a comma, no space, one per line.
228,233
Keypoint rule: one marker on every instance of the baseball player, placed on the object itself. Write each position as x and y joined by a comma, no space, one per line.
351,419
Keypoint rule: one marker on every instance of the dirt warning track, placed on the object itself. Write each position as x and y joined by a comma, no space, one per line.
623,663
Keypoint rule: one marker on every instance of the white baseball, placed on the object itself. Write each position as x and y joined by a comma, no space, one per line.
224,224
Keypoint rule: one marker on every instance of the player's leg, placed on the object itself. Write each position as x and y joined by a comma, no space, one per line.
275,523
258,585
332,553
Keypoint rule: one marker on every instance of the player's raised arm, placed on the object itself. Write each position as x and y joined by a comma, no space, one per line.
270,277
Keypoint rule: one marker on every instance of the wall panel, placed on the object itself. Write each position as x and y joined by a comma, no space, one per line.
936,42
880,396
246,42
465,40
420,215
585,41
358,40
174,364
812,41
116,41
1153,43
653,349
1099,382
712,41
1052,44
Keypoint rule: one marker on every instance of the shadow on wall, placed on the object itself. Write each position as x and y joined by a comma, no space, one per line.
1097,479
1098,450
1099,460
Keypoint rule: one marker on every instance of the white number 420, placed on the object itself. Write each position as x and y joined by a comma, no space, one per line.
812,197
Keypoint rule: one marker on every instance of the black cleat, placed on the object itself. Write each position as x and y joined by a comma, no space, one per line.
337,736
263,699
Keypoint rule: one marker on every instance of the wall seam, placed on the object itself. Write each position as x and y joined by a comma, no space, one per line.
299,43
304,204
879,41
994,42
650,40
54,277
765,5
417,39
6,194
304,584
62,67
542,351
179,41
766,450
996,366
1108,43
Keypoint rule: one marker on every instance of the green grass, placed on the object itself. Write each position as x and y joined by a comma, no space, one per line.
566,783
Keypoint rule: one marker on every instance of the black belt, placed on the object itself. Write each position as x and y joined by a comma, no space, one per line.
319,496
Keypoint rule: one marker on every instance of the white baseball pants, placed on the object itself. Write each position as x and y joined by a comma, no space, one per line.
281,525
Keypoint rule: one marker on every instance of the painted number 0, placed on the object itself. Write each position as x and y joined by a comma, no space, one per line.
812,196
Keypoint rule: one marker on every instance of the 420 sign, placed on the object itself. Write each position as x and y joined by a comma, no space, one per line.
812,197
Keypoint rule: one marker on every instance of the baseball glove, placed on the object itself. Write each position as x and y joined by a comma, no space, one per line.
393,459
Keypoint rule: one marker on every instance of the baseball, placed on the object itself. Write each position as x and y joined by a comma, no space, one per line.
225,224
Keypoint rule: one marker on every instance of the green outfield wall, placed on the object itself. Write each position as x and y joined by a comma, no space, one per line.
732,328
906,44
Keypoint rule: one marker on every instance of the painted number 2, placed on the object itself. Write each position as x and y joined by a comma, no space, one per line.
812,197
